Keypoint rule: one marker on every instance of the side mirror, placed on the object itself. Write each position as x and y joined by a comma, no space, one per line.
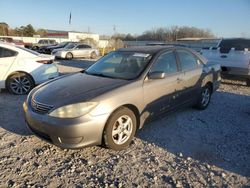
156,75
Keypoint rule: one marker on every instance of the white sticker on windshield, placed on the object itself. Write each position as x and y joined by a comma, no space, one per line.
140,55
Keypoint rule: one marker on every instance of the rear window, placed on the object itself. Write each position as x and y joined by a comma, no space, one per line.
28,50
238,44
4,52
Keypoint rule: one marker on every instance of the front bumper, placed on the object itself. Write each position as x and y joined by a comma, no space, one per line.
60,55
66,133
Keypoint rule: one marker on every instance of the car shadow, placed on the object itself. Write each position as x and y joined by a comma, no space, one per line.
219,135
12,117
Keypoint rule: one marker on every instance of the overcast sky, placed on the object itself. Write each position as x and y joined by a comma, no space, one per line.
225,18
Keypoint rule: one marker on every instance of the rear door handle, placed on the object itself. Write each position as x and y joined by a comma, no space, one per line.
179,80
223,56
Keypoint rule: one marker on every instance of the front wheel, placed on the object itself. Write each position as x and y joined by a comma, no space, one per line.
204,98
120,129
20,84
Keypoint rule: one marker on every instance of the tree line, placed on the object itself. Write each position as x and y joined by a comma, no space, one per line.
167,34
23,31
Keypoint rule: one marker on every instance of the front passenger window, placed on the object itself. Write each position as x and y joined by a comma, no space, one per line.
165,63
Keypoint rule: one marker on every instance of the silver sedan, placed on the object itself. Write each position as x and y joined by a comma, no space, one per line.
76,50
109,101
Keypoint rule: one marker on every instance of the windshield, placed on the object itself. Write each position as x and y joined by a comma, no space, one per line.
62,44
123,65
70,46
28,50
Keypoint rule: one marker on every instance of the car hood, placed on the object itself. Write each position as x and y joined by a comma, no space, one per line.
75,88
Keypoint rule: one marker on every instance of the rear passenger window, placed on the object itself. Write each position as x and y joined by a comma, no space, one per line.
7,53
166,63
187,60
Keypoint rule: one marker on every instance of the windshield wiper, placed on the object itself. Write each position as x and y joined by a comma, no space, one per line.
98,74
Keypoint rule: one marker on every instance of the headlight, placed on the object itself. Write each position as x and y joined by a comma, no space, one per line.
73,110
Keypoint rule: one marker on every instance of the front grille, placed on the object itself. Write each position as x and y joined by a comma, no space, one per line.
40,107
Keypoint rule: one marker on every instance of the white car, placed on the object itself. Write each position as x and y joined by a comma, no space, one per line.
21,69
233,54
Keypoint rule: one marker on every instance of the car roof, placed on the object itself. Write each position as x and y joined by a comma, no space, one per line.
149,49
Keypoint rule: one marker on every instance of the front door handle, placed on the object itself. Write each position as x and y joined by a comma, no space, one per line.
223,56
179,80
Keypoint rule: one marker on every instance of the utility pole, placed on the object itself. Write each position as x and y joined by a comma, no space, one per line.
114,28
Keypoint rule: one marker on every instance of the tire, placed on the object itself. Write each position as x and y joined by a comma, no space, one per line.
69,56
93,55
35,48
204,98
20,84
248,82
120,129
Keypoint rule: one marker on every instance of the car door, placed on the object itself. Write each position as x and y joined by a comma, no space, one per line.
191,67
161,95
7,57
82,51
77,50
88,50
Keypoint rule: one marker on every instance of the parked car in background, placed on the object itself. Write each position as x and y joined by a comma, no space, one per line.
21,69
76,50
234,57
12,41
50,48
42,42
109,101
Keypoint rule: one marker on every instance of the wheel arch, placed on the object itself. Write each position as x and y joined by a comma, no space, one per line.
16,72
131,107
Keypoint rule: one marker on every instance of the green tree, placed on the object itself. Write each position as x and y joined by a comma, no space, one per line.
28,31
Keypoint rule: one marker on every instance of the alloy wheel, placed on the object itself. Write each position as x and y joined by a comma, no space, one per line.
20,85
122,129
205,97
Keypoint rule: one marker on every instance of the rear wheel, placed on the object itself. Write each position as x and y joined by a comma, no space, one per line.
93,55
69,55
20,84
204,98
120,129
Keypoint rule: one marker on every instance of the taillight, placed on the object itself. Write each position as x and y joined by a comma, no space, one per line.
45,61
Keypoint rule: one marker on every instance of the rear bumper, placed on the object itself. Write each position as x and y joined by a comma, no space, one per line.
235,72
66,133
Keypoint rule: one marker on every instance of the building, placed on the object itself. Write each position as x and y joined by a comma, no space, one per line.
71,35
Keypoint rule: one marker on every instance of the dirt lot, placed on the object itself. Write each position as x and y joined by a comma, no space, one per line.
188,148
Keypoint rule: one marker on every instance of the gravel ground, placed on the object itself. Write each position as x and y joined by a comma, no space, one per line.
188,148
